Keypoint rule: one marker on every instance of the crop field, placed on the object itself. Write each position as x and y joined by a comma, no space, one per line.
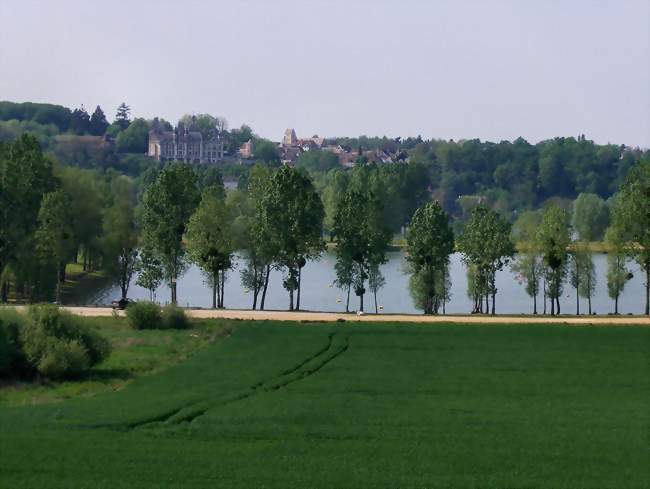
294,405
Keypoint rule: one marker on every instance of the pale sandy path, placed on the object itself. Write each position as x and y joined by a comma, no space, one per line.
401,318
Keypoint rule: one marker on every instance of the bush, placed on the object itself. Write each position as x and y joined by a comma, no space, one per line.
64,360
174,318
58,345
144,315
12,359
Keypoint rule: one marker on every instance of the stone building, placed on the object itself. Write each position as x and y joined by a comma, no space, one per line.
185,143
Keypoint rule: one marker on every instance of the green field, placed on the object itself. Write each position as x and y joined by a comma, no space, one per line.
357,406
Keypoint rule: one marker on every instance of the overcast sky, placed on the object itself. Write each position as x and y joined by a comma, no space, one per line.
445,69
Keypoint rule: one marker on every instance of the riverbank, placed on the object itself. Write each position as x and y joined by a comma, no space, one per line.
314,316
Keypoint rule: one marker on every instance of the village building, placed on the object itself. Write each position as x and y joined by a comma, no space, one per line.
185,143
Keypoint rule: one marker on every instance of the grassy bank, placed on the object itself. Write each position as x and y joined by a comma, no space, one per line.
134,354
281,405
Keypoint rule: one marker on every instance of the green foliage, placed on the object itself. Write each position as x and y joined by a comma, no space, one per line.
174,317
362,237
292,217
553,239
631,217
40,113
486,245
267,152
430,242
120,233
209,240
590,217
144,315
98,122
135,138
318,161
58,345
167,206
123,116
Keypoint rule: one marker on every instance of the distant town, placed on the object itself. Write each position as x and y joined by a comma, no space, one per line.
186,142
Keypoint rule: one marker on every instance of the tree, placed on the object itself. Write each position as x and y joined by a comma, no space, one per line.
582,273
617,273
167,206
267,152
486,244
54,235
430,242
133,139
120,233
553,239
631,216
293,213
376,281
122,116
251,232
80,121
590,217
25,176
527,265
209,241
150,272
362,236
98,122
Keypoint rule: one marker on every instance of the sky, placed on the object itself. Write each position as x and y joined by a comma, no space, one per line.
456,69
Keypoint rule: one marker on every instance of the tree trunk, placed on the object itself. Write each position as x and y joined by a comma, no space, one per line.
172,287
223,287
266,285
493,302
374,292
214,292
577,303
361,302
62,271
558,304
291,300
57,297
589,292
616,304
544,292
347,302
298,297
4,292
85,266
647,289
552,306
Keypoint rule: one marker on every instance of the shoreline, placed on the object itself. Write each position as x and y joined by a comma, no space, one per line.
315,316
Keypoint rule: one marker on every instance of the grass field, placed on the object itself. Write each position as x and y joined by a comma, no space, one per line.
283,405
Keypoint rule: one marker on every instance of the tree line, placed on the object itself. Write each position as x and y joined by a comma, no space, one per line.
278,219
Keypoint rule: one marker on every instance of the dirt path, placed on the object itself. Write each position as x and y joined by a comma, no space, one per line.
401,318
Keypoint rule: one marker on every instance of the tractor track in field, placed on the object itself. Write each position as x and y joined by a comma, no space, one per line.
191,412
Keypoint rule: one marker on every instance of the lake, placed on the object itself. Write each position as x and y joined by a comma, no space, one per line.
319,293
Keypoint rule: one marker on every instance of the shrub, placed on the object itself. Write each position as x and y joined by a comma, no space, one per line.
144,315
64,360
12,359
58,344
174,318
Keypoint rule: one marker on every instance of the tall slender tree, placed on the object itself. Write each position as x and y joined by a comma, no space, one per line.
631,216
486,244
554,237
362,236
294,215
167,206
430,242
209,241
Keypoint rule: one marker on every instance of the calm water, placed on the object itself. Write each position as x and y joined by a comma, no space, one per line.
319,293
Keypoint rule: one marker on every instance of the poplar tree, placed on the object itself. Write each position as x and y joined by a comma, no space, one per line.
167,206
553,238
486,244
430,242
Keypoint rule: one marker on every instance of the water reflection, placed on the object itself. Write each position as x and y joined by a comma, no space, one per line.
320,294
